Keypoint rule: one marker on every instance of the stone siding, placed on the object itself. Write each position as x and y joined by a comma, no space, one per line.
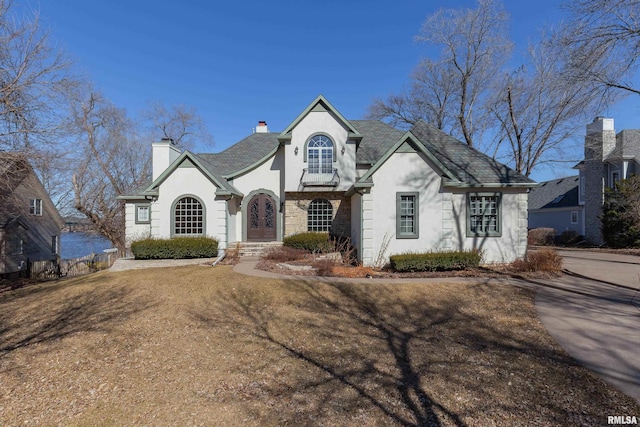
297,204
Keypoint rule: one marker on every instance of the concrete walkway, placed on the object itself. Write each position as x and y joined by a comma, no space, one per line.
123,264
593,310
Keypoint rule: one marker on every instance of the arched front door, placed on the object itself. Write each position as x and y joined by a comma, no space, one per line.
261,218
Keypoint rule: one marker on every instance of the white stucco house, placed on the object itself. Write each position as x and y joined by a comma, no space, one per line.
390,191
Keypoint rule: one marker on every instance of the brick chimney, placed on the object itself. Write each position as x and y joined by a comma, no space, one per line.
164,153
262,127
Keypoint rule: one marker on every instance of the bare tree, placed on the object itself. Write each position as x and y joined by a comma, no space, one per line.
428,99
114,156
454,90
180,123
539,108
34,84
112,160
603,39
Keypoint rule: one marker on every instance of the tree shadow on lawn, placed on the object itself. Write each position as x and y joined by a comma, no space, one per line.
394,354
52,311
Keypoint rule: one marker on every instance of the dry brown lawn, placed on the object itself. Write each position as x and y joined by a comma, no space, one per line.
205,346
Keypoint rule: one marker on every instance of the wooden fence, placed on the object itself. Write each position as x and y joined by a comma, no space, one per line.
71,267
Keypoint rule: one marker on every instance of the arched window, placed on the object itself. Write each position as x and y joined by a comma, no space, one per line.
319,215
188,217
320,154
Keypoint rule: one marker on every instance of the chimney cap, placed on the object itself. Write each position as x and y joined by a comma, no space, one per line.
262,127
167,139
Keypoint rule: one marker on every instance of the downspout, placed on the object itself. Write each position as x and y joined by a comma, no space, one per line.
220,258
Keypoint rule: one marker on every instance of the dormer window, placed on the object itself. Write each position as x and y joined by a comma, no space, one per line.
320,155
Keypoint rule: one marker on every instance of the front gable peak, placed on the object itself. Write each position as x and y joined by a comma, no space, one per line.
320,104
189,160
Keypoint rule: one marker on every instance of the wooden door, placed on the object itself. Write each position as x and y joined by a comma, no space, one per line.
261,218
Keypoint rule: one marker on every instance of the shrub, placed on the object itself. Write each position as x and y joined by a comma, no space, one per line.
324,267
283,254
545,260
310,241
176,248
541,236
569,237
436,261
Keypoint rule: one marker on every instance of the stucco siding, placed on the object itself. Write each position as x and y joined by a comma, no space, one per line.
189,182
267,178
319,122
134,231
405,172
356,223
511,244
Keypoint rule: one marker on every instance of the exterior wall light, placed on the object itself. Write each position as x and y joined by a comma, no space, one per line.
295,151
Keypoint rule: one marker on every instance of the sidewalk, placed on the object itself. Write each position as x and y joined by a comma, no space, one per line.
123,264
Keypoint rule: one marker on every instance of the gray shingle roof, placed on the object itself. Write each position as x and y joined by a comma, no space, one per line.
557,193
627,144
242,154
468,165
377,138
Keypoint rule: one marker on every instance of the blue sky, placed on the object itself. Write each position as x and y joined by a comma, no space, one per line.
244,61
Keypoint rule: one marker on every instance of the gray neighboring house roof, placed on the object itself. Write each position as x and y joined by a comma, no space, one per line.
627,145
557,193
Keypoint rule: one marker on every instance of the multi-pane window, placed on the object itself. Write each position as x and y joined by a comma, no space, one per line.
484,214
407,209
319,215
54,244
188,216
320,154
143,214
35,206
574,217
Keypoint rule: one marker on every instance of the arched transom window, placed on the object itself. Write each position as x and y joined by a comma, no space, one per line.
320,154
188,217
319,215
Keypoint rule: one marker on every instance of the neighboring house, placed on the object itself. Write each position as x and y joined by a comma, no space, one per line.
29,222
390,191
554,204
575,203
608,158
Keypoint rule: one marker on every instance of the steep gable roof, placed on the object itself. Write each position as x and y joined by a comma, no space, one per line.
557,193
224,188
249,152
320,104
468,166
377,139
414,143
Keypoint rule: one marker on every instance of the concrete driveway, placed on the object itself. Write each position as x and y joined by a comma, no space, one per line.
593,311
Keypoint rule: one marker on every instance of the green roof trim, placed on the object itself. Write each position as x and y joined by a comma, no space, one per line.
407,138
187,156
319,104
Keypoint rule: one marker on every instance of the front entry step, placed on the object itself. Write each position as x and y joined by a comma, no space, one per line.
252,248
